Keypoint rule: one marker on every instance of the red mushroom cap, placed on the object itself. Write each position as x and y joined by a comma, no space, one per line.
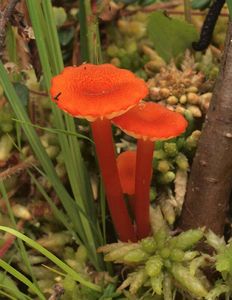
151,121
97,91
126,162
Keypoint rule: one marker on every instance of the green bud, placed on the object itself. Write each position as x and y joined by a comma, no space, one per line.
52,151
182,162
157,284
60,158
168,211
135,256
166,178
49,139
160,154
157,220
170,149
163,166
154,266
55,241
176,255
81,254
125,62
7,127
180,143
165,252
118,253
190,255
167,264
121,53
138,280
192,140
5,115
188,281
131,46
161,237
6,145
60,170
153,194
218,243
112,50
149,245
187,239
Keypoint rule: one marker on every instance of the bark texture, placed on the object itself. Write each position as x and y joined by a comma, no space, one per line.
210,181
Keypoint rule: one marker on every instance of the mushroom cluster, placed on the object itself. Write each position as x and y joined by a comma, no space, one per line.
100,93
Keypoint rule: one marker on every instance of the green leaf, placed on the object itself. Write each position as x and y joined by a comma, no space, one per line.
200,4
22,92
171,37
65,36
224,259
60,15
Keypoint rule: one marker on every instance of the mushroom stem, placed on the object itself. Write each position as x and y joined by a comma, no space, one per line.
102,134
142,186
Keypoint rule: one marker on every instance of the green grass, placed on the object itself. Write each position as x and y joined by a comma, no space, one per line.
79,207
69,271
51,60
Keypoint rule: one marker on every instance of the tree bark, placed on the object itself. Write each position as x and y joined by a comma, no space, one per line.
210,181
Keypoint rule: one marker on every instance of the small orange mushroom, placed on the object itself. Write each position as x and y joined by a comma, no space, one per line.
98,93
126,162
148,122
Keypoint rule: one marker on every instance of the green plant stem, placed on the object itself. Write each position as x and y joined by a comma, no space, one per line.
187,11
90,40
229,4
102,135
142,186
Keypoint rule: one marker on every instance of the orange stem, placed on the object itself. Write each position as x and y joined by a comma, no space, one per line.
102,134
142,186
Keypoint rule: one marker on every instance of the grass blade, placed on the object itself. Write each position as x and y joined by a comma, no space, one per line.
53,258
37,146
8,268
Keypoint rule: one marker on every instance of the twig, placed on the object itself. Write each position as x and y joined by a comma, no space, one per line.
194,13
5,16
40,93
150,8
187,10
30,162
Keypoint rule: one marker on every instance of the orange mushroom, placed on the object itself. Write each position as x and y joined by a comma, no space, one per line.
148,122
98,93
126,163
